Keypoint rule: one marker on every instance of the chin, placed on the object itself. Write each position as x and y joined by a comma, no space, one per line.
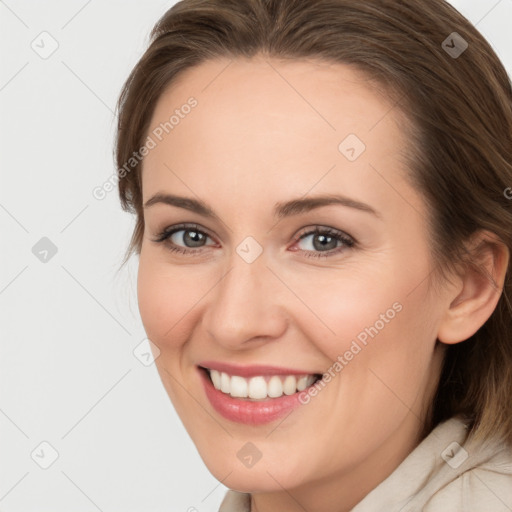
270,476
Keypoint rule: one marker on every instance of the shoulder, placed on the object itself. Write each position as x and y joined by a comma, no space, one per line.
235,501
482,480
447,471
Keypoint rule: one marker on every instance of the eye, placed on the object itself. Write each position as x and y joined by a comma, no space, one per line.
189,235
323,242
320,242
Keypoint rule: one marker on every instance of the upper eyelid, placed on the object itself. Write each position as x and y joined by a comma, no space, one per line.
169,231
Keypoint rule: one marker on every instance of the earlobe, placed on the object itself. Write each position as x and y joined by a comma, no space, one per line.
478,293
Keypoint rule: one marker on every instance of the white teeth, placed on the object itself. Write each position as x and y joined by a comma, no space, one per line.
215,378
259,388
238,387
290,385
275,387
225,383
302,383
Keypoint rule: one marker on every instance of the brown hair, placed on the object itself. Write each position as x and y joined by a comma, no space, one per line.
460,156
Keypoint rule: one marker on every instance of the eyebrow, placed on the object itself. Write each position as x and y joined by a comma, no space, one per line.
281,209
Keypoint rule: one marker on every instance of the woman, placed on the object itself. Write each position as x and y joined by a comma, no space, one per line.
324,226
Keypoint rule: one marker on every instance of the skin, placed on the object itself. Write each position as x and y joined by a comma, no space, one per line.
266,131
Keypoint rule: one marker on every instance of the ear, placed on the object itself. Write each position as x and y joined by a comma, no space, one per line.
477,293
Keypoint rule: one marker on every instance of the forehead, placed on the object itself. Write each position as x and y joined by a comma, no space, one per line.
260,126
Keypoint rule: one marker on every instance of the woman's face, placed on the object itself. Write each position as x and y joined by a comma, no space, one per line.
259,287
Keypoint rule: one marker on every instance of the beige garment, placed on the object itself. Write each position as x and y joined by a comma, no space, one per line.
442,474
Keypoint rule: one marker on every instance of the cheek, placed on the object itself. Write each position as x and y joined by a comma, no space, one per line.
387,356
377,320
165,294
339,305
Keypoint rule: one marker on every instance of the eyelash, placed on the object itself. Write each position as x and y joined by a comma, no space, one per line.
347,240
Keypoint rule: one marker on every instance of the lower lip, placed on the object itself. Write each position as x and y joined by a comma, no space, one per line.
246,411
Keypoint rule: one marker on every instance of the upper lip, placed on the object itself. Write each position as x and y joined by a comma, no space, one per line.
252,370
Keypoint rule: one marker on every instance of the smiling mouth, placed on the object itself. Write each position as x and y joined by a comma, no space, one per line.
259,387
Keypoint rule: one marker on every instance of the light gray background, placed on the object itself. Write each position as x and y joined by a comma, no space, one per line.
68,374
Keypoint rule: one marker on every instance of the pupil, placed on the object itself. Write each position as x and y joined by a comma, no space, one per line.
323,245
193,238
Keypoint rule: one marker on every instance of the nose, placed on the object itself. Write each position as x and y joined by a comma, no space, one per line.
244,308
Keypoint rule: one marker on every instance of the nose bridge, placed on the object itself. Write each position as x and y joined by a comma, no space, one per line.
244,304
